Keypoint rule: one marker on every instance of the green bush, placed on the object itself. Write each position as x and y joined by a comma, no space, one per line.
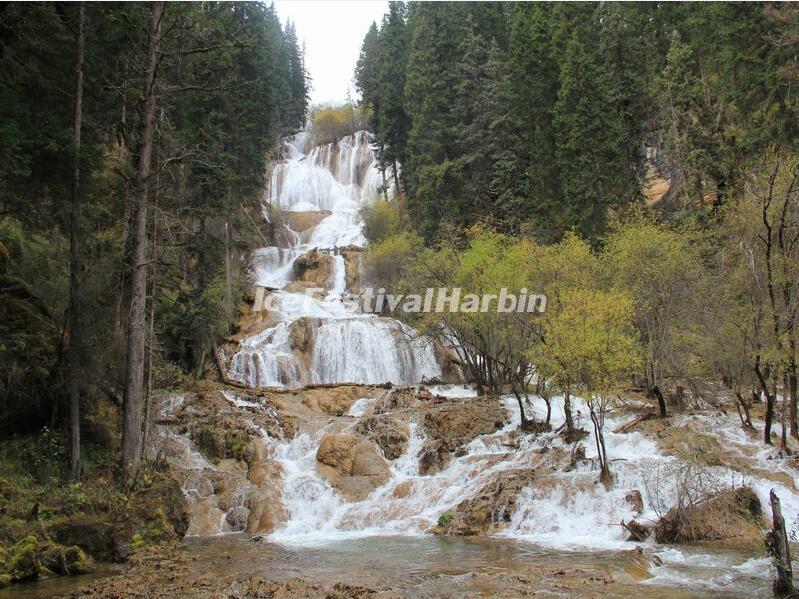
445,518
383,219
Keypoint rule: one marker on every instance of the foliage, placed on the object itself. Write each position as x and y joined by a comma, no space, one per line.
445,518
539,112
331,123
382,220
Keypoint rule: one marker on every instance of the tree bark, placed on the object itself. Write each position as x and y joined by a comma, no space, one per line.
778,547
75,237
134,383
769,413
661,401
567,411
792,390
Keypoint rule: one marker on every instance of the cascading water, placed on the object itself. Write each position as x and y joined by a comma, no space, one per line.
327,184
556,507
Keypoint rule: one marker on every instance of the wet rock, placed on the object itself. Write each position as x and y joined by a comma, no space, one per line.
635,500
352,464
296,588
733,516
397,398
237,518
302,221
491,507
637,531
353,256
389,433
450,425
302,337
403,489
335,401
314,269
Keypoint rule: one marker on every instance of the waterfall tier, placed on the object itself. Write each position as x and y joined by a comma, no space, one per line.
314,200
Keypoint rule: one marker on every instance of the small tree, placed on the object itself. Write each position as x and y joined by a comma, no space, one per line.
662,271
591,343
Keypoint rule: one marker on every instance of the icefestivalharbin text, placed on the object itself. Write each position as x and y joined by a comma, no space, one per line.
441,299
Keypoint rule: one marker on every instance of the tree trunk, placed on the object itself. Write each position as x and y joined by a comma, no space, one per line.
75,237
605,477
153,297
661,401
778,547
792,391
228,276
567,411
134,381
769,413
743,411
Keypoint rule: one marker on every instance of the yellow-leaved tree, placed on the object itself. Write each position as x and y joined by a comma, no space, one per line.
591,342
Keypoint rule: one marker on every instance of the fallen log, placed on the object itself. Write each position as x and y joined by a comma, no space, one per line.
628,426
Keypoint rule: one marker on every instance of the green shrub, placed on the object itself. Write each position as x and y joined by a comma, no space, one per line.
445,518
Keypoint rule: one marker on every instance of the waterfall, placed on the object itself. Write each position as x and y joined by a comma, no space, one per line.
325,186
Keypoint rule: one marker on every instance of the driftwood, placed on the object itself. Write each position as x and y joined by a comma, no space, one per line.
628,426
779,549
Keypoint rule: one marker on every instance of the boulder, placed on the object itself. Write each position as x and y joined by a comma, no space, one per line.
65,560
22,560
490,508
352,464
302,221
90,532
314,269
237,518
452,424
353,258
334,401
302,337
403,489
635,500
637,531
733,516
389,433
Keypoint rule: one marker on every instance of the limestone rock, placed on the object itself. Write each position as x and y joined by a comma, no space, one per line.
491,507
637,531
302,221
389,433
635,500
302,337
352,464
452,424
314,269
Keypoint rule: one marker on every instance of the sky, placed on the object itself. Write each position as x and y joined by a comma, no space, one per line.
332,32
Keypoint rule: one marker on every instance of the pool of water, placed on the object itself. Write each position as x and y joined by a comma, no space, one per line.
459,567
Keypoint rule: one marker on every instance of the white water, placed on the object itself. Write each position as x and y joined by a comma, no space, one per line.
349,346
571,511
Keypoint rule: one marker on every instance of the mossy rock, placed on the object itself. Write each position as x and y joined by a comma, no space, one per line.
210,442
91,532
22,560
236,444
5,580
66,560
219,443
155,514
